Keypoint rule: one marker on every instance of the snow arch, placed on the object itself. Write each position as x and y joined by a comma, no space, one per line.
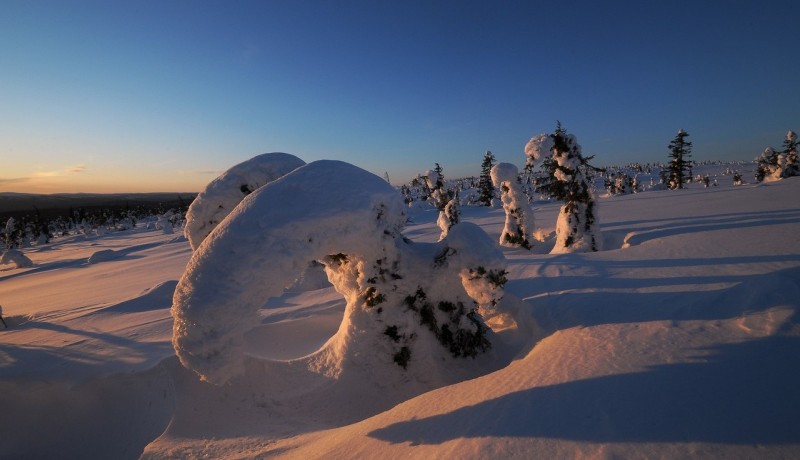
405,301
225,192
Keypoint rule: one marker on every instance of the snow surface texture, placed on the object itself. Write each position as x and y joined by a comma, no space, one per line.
683,345
519,226
222,195
401,298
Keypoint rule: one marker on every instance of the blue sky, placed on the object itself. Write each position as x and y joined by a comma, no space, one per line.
164,95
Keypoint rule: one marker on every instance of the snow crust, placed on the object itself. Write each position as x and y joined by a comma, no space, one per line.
222,194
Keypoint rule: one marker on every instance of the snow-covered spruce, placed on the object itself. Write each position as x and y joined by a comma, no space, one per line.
409,305
222,194
769,165
792,165
577,227
519,225
444,200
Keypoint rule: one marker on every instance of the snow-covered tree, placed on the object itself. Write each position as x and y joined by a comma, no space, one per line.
485,180
679,164
412,308
225,192
791,167
769,165
16,257
519,225
444,200
577,228
12,234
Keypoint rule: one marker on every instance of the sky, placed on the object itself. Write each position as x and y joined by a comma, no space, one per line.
164,95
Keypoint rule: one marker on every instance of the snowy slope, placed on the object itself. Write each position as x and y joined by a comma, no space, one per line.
680,339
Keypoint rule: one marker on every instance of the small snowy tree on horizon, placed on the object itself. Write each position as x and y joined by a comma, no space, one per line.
12,235
577,229
485,180
519,225
769,165
444,200
680,165
791,166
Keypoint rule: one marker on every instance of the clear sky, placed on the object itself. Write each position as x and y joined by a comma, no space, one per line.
163,95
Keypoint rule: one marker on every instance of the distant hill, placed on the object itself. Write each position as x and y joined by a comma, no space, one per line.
12,204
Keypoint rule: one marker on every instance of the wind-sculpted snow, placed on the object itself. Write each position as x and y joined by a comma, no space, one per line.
408,308
222,195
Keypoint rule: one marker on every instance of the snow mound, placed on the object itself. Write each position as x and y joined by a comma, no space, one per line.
222,195
410,306
103,255
157,297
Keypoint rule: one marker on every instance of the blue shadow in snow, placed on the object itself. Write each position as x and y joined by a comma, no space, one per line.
746,393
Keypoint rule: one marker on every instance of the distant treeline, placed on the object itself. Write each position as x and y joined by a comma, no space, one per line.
26,207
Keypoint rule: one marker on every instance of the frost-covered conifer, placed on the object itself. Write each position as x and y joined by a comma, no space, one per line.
792,167
444,200
12,235
680,166
769,165
577,229
519,225
485,180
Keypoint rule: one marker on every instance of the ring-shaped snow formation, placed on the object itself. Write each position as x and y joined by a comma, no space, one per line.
402,297
326,207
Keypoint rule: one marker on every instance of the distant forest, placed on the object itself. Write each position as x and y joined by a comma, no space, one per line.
27,207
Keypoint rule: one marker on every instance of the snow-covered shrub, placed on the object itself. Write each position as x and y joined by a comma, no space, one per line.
16,257
411,307
519,225
164,223
222,195
577,227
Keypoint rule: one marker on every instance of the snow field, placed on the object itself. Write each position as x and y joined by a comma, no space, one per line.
681,344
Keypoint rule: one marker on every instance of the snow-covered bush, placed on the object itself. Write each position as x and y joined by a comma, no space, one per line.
411,307
16,257
577,227
164,223
222,195
519,225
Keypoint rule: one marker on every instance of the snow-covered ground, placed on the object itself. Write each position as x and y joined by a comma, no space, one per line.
680,339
